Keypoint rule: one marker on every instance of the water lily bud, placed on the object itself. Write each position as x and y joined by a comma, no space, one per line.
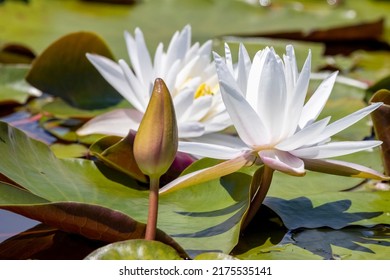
156,142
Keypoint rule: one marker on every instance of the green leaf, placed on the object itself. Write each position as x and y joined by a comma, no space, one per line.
352,243
69,151
334,210
13,88
214,256
207,217
117,152
91,221
63,70
135,250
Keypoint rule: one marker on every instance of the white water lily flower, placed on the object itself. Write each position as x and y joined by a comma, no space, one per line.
266,102
188,73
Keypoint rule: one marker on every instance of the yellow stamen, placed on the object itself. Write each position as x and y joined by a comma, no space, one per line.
203,90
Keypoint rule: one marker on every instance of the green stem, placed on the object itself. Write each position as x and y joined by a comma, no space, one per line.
151,225
259,196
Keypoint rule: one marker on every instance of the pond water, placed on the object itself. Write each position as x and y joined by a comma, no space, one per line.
12,224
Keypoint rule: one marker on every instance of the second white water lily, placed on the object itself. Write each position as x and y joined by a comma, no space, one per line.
266,102
188,73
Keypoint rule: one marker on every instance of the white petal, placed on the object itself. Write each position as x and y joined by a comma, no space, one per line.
182,102
207,174
252,89
222,140
316,103
208,150
271,105
112,73
296,98
291,68
301,138
345,122
138,95
206,48
229,59
217,122
283,161
190,129
134,47
335,149
144,62
246,121
158,62
243,67
342,168
198,109
117,122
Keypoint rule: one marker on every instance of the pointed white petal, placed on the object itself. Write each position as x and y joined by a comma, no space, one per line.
335,149
208,150
296,98
316,103
112,73
291,68
144,62
301,138
158,62
283,161
246,121
271,105
243,67
207,174
117,122
205,49
138,95
345,122
252,88
342,168
229,59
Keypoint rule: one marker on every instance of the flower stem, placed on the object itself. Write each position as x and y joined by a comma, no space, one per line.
151,225
259,196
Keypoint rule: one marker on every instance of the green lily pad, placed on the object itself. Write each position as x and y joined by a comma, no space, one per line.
214,256
206,217
69,150
352,243
135,250
13,88
63,70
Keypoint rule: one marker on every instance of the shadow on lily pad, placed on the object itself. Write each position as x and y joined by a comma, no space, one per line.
300,213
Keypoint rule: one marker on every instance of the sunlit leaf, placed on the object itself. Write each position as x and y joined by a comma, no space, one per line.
135,250
69,151
206,217
214,256
13,88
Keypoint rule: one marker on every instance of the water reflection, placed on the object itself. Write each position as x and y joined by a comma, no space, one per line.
12,224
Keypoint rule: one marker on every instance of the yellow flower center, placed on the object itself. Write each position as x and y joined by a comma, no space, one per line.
203,90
